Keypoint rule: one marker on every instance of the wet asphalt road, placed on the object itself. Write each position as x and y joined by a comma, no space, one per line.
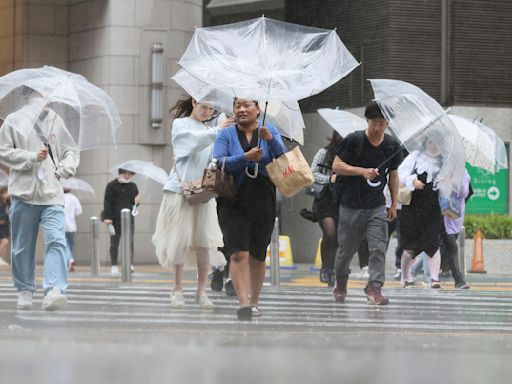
116,333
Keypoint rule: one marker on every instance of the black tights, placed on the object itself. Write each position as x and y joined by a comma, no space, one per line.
329,227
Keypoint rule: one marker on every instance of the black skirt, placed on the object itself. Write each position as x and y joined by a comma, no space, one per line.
326,204
248,220
421,221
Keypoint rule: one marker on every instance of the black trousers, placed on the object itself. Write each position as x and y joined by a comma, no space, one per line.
449,251
114,241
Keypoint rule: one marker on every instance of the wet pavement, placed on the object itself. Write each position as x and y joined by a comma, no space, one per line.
120,333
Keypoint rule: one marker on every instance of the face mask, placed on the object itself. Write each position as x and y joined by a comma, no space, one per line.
122,180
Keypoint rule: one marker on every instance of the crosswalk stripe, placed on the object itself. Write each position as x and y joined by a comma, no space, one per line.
288,307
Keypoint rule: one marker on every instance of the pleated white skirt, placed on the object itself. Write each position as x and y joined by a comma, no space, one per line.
181,228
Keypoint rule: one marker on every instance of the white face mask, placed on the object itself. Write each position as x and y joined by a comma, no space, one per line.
122,180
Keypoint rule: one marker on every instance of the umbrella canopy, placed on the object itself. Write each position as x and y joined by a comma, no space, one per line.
87,111
414,117
76,184
4,179
482,146
343,122
286,116
265,59
144,169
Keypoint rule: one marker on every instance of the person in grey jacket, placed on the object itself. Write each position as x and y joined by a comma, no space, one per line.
38,160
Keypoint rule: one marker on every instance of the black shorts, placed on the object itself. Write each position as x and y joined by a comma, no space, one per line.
4,231
247,221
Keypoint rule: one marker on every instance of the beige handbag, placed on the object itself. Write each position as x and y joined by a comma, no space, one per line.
404,195
290,172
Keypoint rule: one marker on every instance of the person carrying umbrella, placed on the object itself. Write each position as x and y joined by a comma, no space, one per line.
247,221
362,202
120,193
37,161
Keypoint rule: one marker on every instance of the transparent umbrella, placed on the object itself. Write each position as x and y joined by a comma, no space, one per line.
89,114
265,59
79,185
414,117
482,146
342,122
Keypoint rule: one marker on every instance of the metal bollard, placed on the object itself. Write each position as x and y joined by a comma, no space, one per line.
274,255
95,245
462,252
126,249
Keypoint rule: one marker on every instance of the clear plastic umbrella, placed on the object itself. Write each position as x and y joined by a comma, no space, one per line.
89,114
482,146
286,116
414,117
265,59
144,169
4,179
76,184
343,122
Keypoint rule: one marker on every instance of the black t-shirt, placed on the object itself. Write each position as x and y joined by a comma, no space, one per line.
357,192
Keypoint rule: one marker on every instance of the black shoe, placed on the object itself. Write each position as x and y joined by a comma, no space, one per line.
462,285
244,313
230,289
325,275
217,280
332,279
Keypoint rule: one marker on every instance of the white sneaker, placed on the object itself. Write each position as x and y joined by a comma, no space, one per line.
54,300
204,302
177,300
3,263
398,274
25,299
115,270
132,268
365,272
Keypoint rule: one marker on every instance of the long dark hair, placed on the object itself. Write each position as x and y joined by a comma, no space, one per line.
332,148
183,108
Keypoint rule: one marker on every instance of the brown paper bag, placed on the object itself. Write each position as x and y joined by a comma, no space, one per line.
290,173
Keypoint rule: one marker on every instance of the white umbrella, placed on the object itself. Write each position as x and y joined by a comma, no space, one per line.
144,169
89,114
414,117
343,122
482,146
76,184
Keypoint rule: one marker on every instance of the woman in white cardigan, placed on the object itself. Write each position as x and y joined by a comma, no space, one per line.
186,232
421,220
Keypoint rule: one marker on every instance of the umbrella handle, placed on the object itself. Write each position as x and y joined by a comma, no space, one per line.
249,174
135,210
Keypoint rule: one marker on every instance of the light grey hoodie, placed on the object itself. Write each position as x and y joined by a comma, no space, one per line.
29,180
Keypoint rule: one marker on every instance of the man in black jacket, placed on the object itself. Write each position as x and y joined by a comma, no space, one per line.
120,193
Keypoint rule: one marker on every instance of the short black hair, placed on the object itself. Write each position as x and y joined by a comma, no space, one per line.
373,111
122,170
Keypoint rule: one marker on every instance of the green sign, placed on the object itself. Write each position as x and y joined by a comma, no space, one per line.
490,191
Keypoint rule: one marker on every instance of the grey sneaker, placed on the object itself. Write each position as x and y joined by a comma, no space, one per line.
54,300
25,299
204,302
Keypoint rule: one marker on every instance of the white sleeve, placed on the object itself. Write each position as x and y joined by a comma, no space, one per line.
186,141
405,170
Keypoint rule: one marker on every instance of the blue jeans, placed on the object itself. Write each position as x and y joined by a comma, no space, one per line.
70,241
25,220
422,264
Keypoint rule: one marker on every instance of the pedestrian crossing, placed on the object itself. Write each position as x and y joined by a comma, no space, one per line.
308,309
